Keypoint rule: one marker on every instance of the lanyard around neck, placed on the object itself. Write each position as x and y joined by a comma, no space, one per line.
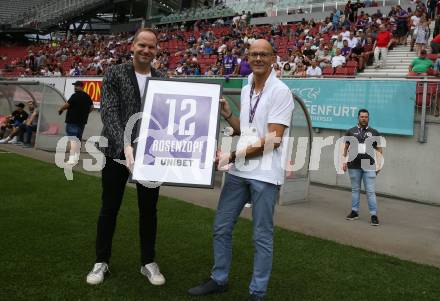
253,109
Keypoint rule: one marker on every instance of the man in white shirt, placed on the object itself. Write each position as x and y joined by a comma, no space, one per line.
346,33
352,40
339,43
314,70
338,59
257,171
325,59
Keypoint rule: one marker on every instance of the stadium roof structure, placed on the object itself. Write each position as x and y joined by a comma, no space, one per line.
43,16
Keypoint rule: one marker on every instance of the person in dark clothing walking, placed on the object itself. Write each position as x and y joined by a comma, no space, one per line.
78,108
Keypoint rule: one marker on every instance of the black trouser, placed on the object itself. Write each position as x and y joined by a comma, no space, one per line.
114,179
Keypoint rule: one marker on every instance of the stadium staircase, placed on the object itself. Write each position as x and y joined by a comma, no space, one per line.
398,61
397,64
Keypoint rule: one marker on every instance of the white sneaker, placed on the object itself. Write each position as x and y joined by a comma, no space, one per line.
96,276
248,205
152,272
13,140
73,159
5,140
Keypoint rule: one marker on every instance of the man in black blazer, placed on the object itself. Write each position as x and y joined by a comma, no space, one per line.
122,88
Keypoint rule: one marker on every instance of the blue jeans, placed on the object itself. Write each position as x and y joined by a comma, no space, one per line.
27,132
75,130
235,193
369,178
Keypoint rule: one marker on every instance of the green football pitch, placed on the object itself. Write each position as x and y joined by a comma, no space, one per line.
48,227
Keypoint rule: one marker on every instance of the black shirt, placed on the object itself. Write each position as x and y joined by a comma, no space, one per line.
78,111
309,53
19,115
357,50
362,134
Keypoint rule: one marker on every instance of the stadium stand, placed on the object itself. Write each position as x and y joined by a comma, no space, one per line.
197,47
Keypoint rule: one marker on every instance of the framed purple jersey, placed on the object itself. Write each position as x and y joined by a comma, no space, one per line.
177,135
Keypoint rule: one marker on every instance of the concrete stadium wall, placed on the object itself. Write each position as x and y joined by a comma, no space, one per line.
411,169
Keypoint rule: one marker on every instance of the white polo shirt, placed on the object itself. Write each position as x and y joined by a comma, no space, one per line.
338,60
314,71
275,106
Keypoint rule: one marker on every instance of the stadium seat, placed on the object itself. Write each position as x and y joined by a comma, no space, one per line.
328,71
431,92
351,64
432,57
351,71
341,71
53,129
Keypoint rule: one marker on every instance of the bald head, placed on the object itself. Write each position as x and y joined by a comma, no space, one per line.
261,45
261,58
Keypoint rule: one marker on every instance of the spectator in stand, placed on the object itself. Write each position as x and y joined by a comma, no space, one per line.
179,70
346,50
414,21
420,6
287,70
277,70
325,60
352,40
230,64
335,19
75,71
95,66
15,120
421,65
402,27
381,46
57,72
421,33
313,70
209,72
339,43
216,69
435,44
355,7
338,60
236,20
208,48
431,8
300,70
357,55
348,9
368,53
244,67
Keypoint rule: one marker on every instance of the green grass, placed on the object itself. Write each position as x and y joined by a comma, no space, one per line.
48,224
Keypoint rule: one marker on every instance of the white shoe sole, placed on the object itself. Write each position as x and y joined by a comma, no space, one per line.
352,218
153,282
94,281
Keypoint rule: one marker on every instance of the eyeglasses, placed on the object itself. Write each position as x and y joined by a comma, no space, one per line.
263,55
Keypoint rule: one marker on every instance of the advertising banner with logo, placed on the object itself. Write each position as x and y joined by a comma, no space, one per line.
177,134
334,104
92,86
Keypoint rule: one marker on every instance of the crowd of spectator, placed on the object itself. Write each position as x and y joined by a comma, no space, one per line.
348,39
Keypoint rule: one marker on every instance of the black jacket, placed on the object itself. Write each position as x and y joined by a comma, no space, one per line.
120,100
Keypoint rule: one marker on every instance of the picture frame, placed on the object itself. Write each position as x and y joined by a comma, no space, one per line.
177,135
